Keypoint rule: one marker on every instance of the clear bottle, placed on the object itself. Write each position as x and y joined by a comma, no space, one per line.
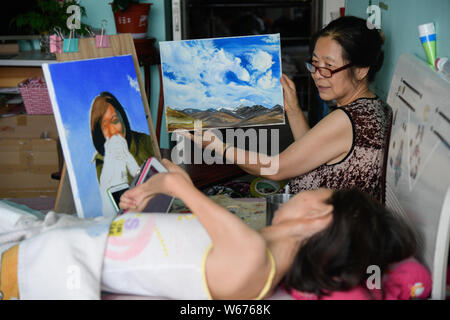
443,66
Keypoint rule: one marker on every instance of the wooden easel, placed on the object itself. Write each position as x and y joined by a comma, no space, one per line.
121,44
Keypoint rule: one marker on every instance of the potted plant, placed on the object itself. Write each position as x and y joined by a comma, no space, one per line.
45,17
48,14
131,16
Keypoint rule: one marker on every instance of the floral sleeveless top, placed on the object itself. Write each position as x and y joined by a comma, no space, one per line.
362,168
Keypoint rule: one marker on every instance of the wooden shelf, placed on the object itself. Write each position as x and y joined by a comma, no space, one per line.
28,59
12,76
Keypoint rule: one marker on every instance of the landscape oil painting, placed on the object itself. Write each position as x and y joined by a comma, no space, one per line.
222,82
102,127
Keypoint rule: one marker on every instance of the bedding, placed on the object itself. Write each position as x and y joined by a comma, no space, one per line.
60,247
59,256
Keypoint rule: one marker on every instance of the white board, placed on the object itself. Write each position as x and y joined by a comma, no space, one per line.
418,169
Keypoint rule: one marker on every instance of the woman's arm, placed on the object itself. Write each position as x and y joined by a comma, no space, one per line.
297,121
237,264
328,141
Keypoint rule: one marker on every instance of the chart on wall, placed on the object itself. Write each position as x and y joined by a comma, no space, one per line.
421,128
222,82
418,169
102,127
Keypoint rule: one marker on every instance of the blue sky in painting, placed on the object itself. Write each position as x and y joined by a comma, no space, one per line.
222,72
76,84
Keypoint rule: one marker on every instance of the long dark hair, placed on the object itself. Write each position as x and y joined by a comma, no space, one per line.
362,233
98,109
361,45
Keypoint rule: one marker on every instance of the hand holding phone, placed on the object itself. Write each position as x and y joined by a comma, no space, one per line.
161,202
114,194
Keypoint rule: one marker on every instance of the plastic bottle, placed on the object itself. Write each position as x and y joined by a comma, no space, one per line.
443,65
427,33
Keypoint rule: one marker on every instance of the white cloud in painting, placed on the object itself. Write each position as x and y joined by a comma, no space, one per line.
271,38
133,83
261,60
245,102
197,74
266,81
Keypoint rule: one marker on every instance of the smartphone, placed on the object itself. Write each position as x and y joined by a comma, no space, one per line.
138,174
114,194
161,202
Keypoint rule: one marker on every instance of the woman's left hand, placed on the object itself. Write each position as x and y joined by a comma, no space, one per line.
289,95
309,226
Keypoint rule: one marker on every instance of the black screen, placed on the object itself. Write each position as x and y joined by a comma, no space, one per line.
151,172
116,195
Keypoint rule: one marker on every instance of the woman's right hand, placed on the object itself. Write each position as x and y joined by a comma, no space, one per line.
173,168
137,198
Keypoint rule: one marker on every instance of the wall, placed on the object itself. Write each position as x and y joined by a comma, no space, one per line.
159,28
399,22
331,6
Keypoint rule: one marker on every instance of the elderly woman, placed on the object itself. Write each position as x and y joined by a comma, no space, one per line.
345,149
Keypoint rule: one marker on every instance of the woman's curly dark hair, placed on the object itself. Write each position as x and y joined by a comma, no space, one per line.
362,233
361,46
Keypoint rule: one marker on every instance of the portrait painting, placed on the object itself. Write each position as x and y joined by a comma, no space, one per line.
102,127
223,82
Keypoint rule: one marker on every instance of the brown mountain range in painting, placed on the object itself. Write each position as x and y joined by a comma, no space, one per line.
224,118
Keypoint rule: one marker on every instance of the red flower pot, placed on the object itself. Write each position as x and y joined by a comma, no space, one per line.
134,20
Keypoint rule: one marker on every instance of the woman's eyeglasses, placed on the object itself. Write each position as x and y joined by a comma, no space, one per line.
325,72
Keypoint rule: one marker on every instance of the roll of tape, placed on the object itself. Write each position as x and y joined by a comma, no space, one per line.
261,187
